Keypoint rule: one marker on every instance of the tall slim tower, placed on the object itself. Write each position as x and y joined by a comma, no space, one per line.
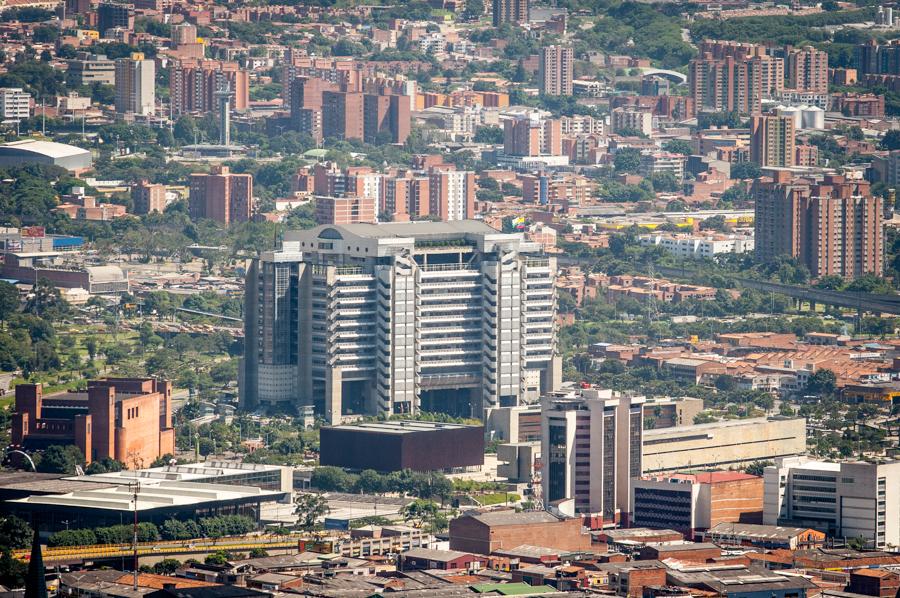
556,69
591,447
135,85
510,11
224,98
772,141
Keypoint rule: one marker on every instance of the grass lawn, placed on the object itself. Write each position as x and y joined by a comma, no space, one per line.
497,498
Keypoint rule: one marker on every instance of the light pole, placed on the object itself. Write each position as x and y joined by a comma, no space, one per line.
135,488
24,454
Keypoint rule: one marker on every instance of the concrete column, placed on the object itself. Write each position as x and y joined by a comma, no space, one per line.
333,395
552,379
304,365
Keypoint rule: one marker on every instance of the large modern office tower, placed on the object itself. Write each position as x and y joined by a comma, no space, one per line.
845,500
591,445
398,318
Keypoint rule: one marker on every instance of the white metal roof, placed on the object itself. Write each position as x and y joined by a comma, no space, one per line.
151,496
50,149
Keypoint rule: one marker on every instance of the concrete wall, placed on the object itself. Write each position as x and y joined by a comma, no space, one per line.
714,445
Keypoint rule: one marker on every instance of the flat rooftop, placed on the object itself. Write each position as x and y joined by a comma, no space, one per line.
752,530
636,532
407,230
189,472
720,425
152,495
401,427
44,483
703,477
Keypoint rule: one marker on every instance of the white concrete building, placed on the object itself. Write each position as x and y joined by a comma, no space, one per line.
845,500
398,318
698,246
432,43
135,85
591,448
15,104
724,444
660,162
630,118
581,124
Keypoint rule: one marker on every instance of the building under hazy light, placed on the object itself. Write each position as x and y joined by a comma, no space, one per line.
400,317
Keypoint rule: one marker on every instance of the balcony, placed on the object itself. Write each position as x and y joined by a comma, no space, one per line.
454,380
538,314
450,340
446,352
464,269
424,319
462,297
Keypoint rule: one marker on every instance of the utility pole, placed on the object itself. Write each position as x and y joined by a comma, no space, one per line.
135,488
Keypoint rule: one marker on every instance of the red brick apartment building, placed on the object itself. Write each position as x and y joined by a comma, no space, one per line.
833,227
221,196
127,419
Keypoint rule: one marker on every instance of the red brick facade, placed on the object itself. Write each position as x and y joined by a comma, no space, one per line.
127,419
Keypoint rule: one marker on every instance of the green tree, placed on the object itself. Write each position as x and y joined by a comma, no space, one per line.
679,146
745,170
104,465
831,282
60,459
822,382
309,508
12,570
716,223
891,140
166,567
332,479
473,10
425,514
90,344
757,468
15,532
9,300
217,558
185,130
627,160
664,182
45,34
489,135
369,482
46,302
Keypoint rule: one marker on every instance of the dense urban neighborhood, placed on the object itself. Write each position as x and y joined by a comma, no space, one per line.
445,298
